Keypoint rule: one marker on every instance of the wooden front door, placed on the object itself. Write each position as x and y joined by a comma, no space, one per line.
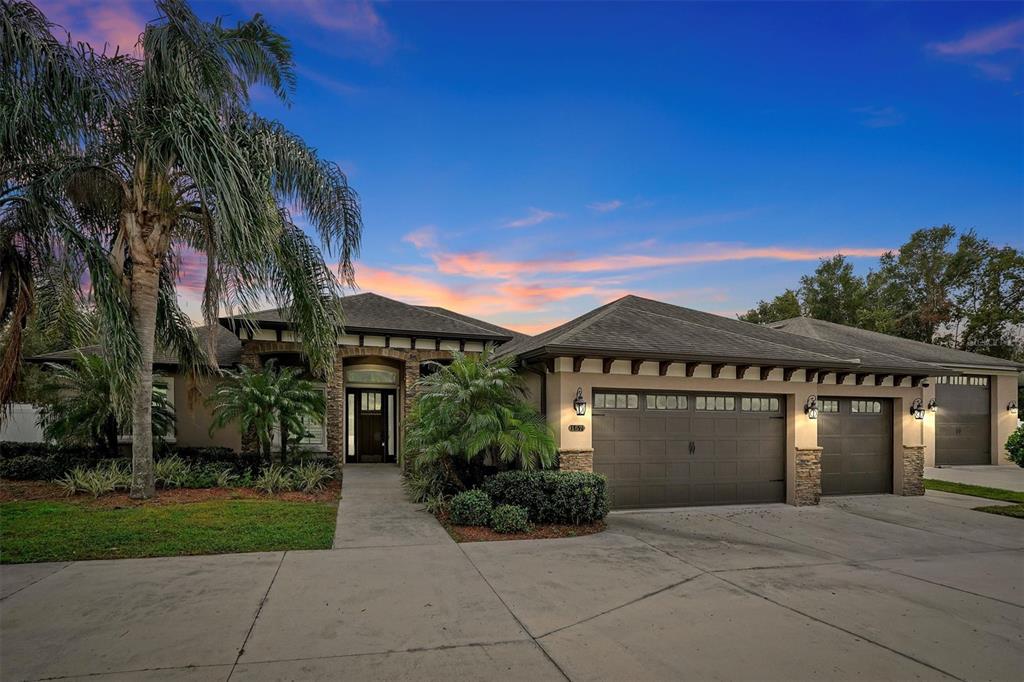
374,434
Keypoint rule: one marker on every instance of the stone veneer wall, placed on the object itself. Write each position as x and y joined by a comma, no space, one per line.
808,476
913,470
575,460
409,360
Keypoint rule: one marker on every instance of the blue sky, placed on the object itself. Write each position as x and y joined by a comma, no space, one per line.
527,162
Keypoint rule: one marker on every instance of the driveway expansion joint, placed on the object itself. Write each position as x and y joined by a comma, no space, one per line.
38,580
523,627
259,610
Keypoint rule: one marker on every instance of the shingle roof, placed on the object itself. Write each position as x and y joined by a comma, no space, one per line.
372,313
227,348
915,350
640,327
472,320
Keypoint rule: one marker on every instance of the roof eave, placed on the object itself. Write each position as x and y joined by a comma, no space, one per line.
228,322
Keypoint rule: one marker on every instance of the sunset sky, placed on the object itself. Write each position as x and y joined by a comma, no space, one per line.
526,162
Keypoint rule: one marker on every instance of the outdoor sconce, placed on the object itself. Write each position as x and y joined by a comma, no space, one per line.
811,407
1011,407
917,409
933,406
579,404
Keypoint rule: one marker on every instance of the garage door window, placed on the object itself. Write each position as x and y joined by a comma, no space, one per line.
759,404
865,407
666,402
715,403
617,401
828,406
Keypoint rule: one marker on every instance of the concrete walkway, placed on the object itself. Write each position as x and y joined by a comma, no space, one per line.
874,587
1007,477
375,512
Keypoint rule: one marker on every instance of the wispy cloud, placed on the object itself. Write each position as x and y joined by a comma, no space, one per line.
115,23
605,206
880,117
484,265
535,216
990,40
424,238
994,51
327,82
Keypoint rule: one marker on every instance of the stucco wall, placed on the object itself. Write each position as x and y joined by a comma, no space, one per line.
1004,389
194,416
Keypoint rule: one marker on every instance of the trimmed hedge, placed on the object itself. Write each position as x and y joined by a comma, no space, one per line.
44,462
551,496
470,508
510,518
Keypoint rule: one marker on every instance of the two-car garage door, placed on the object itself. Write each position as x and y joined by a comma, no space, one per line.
673,449
677,449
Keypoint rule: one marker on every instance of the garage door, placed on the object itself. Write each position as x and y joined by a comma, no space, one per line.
674,449
855,435
963,420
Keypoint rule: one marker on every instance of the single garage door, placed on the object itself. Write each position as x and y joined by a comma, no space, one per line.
675,449
855,435
963,420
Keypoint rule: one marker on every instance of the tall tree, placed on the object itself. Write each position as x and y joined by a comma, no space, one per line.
833,293
782,307
988,302
180,164
911,292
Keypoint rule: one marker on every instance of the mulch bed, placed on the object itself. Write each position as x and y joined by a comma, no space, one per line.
15,491
539,532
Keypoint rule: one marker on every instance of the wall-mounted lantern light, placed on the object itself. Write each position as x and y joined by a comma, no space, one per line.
917,409
1012,407
811,407
579,404
933,406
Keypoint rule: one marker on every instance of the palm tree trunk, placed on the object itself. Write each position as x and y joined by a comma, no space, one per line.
145,281
110,433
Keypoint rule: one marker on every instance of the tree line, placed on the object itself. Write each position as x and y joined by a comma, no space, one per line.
960,291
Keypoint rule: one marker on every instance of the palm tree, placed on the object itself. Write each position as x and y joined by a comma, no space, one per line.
178,163
77,406
267,401
470,407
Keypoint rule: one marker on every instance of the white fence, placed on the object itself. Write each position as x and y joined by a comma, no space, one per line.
19,425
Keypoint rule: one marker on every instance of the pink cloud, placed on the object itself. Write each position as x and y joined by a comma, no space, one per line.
483,265
1007,36
191,273
115,23
479,301
536,216
424,238
533,328
605,206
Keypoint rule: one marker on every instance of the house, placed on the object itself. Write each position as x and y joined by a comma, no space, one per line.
675,406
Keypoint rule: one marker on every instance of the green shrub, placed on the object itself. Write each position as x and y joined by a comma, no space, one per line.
311,476
31,468
551,496
98,480
43,461
227,478
273,479
470,508
1015,446
212,454
171,472
510,518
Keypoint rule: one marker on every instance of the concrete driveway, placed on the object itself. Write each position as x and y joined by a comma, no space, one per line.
869,587
1005,476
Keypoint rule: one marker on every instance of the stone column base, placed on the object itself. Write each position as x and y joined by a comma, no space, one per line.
576,460
913,470
808,477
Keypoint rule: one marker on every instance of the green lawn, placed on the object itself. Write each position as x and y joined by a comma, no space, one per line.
1014,510
975,491
62,531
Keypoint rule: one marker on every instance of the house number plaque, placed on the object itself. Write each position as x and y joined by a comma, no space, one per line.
577,427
